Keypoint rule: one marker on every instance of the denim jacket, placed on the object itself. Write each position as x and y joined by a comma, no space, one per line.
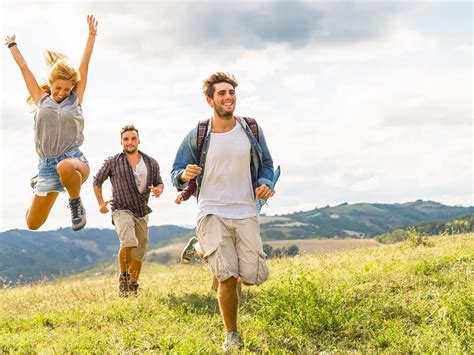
261,163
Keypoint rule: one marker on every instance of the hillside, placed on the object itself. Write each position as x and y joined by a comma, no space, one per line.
393,299
356,220
457,225
27,256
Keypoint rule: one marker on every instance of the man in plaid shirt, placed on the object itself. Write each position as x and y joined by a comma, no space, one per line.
134,175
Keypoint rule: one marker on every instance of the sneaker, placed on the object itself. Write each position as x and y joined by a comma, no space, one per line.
123,284
78,214
133,288
34,182
232,341
188,251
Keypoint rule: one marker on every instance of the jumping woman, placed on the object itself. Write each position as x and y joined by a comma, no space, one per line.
58,131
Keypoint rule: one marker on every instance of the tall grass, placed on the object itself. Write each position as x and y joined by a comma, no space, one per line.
398,298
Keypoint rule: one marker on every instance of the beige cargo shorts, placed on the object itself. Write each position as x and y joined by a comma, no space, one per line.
132,232
233,248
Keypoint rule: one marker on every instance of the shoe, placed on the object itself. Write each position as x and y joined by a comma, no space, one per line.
188,251
78,214
124,279
232,341
34,182
133,288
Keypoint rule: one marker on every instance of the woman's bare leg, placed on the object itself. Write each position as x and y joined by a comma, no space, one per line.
72,173
39,209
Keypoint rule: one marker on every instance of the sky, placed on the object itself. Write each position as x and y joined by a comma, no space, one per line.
359,101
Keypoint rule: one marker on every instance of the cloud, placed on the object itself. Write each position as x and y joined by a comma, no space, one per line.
166,29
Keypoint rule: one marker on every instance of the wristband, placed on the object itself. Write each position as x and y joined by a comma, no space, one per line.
11,44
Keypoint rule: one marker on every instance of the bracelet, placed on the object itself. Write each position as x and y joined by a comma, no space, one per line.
11,44
93,33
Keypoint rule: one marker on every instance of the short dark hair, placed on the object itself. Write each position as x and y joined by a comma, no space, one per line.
128,128
218,77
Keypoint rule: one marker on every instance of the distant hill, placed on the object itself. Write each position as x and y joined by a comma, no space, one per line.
27,256
356,220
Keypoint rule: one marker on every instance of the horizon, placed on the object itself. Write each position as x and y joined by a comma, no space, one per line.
359,101
191,226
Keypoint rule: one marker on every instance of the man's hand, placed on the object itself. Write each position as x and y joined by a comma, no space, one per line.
190,172
156,191
178,199
263,192
103,206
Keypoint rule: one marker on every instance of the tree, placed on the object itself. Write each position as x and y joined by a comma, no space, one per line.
268,249
293,250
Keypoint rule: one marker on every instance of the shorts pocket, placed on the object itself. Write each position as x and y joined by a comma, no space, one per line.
262,268
219,266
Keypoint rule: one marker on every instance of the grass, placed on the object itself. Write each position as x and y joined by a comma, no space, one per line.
396,298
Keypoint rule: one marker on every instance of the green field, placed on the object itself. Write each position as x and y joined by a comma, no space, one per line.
394,298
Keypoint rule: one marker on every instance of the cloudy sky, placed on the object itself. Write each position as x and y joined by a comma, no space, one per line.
359,101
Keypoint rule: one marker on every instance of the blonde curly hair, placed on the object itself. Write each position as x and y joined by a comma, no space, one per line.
58,69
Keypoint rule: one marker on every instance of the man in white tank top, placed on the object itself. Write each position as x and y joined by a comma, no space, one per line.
233,170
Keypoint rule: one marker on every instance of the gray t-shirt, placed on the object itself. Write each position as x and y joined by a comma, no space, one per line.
58,127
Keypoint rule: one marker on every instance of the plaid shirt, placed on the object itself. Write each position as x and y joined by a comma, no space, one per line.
124,188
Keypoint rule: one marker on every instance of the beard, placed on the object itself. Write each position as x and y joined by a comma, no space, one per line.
227,115
130,150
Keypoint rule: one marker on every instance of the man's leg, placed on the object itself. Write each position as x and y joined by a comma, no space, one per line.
228,303
125,258
125,227
216,242
134,270
138,253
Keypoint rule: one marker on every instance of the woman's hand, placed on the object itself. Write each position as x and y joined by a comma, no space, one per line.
92,22
9,40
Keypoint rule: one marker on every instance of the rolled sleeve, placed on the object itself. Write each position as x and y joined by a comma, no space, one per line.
184,156
103,174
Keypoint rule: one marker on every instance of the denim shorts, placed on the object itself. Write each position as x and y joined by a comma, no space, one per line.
48,177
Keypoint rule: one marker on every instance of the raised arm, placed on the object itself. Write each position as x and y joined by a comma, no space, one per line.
86,57
34,89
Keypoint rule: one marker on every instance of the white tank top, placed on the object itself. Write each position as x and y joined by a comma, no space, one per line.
141,176
226,189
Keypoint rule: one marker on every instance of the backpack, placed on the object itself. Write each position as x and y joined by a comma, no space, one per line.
202,131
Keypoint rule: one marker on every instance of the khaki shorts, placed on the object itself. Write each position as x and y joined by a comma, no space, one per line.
233,248
132,232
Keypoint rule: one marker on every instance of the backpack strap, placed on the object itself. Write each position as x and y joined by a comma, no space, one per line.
253,126
201,134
